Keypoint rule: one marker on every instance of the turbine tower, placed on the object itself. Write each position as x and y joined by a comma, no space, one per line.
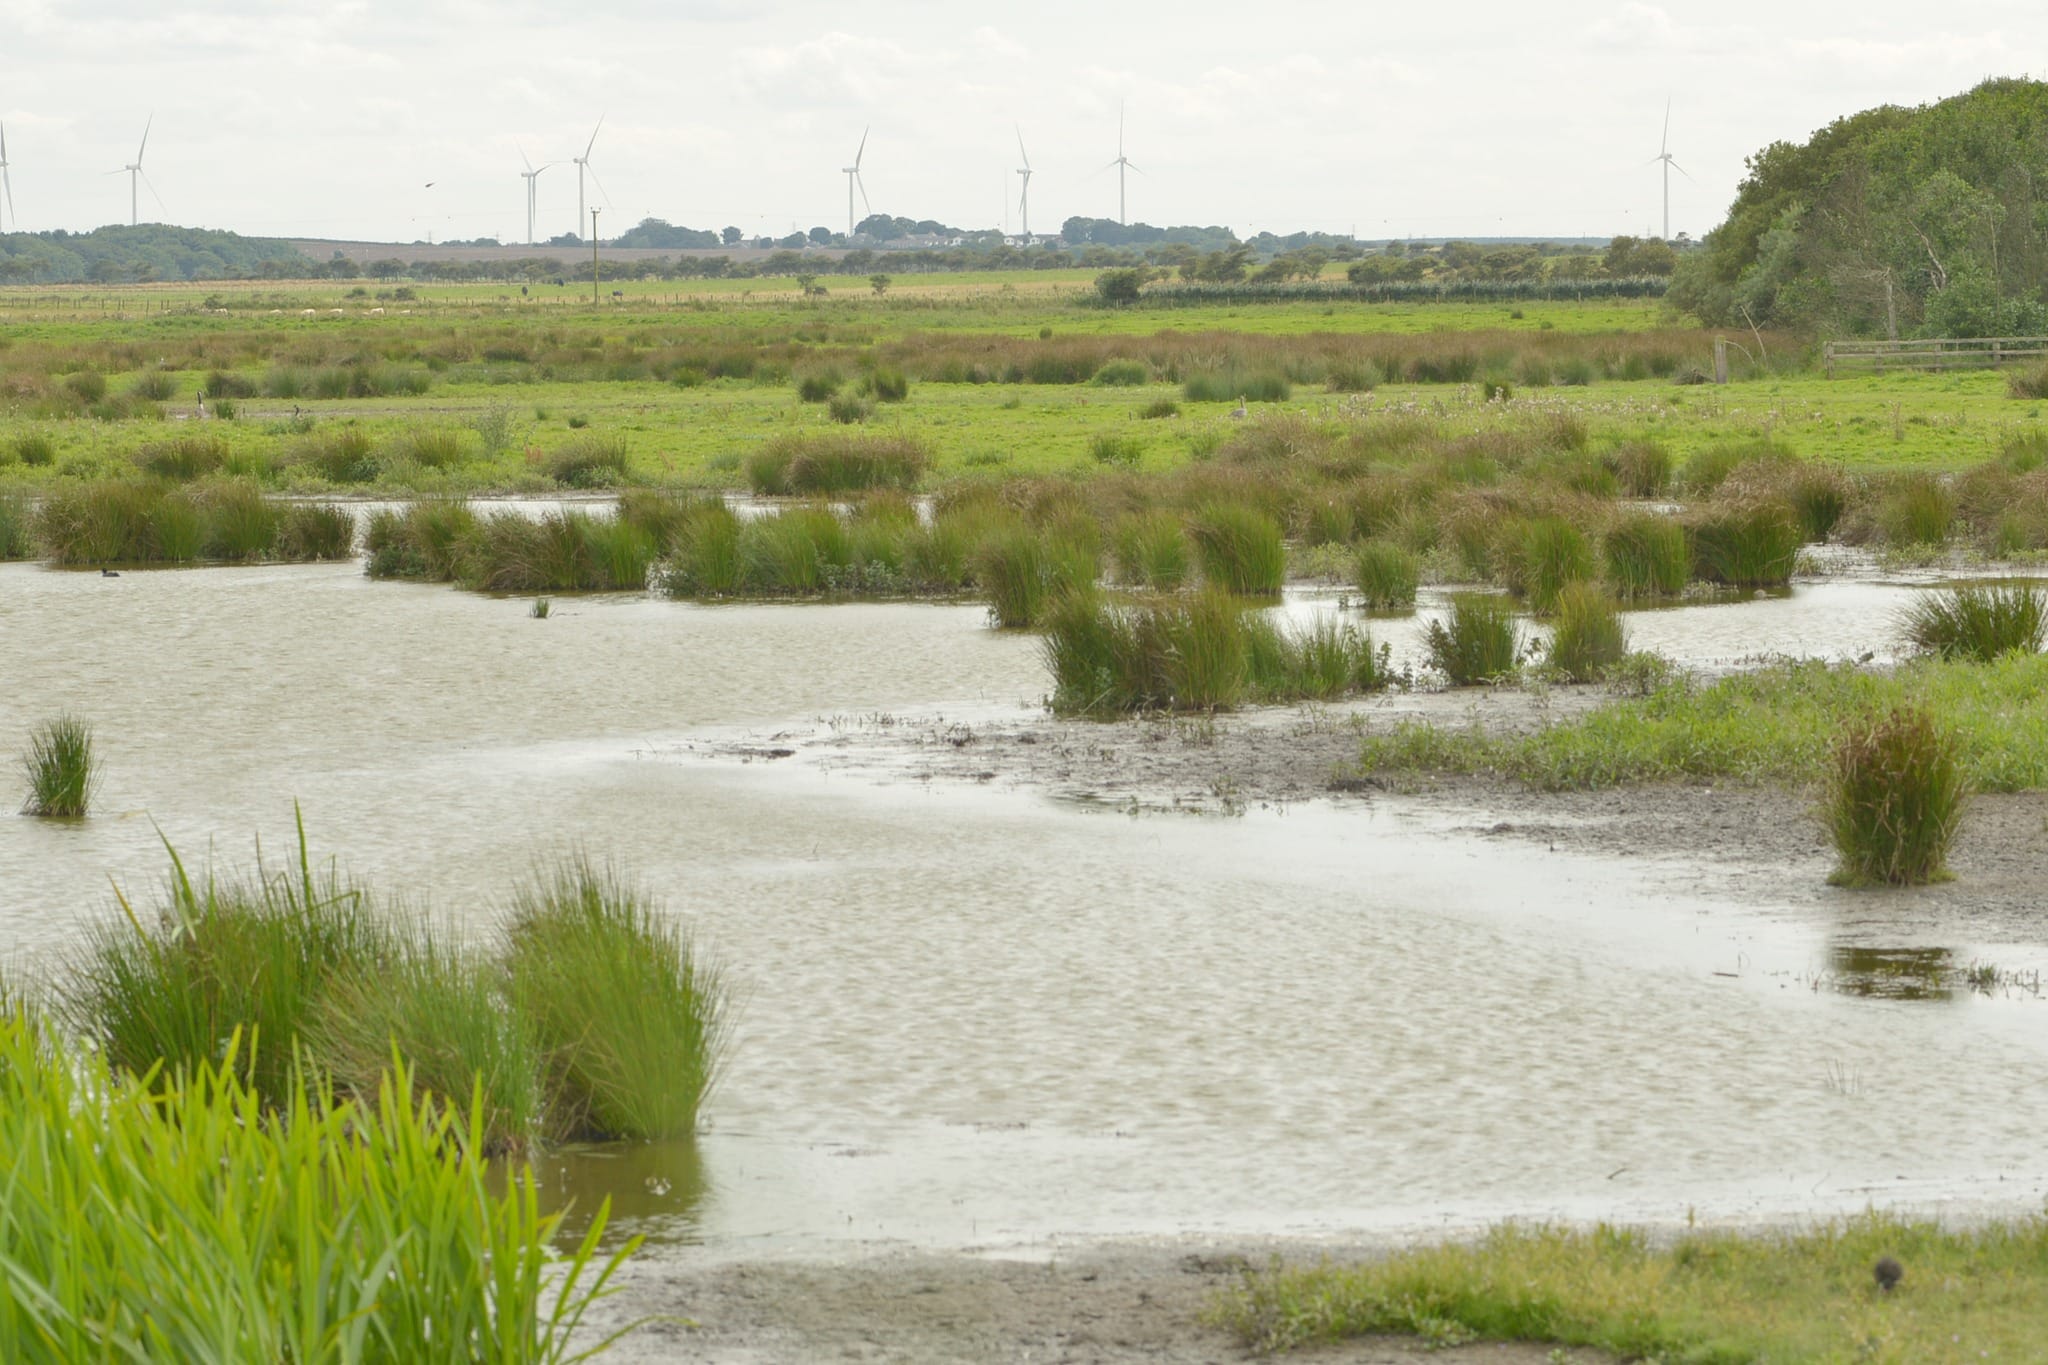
134,170
853,182
1670,165
531,175
7,185
582,165
1121,163
1024,199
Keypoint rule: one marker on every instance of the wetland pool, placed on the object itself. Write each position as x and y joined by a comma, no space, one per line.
970,1015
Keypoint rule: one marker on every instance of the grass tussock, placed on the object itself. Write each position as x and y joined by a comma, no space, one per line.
1240,549
629,1017
1979,620
1746,544
836,462
1894,798
1477,641
591,460
1386,576
1709,1297
1644,554
61,770
1586,637
1206,653
1151,550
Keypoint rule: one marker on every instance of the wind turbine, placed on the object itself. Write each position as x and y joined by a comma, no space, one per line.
134,170
6,184
582,165
1024,199
853,181
1120,163
1670,165
531,175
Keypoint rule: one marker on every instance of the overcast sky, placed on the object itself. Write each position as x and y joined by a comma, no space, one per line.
1414,119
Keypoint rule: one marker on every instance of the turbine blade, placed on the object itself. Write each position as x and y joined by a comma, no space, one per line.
1135,166
1664,142
863,149
863,185
600,187
1120,129
8,186
1683,171
1020,150
152,190
524,159
145,138
593,136
3,144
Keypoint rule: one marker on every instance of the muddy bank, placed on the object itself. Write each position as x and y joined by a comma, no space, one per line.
1762,844
1113,1304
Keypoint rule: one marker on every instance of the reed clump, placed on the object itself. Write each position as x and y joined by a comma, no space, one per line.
1478,641
1894,798
1644,555
1240,549
1918,510
1978,620
1745,544
1204,653
61,770
1587,637
1151,550
424,540
1386,576
836,462
630,1019
591,460
1551,554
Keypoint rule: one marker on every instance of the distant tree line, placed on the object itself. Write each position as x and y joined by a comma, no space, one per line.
118,255
1895,221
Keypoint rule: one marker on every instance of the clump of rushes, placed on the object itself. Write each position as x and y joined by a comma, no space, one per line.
425,541
886,385
1746,544
1386,576
590,461
1553,553
1151,550
183,459
797,551
1979,621
242,956
1642,469
1819,494
1203,654
1587,637
818,386
1917,511
340,1233
315,531
1239,548
62,774
444,1012
14,527
1646,556
706,560
1022,570
1158,408
1477,642
835,462
1894,798
629,1018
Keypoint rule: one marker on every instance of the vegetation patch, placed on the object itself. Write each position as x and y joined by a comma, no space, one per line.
1708,1297
60,768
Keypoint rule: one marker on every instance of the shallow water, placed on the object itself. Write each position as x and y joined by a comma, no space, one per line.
975,1016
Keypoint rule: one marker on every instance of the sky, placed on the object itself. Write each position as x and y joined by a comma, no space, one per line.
378,120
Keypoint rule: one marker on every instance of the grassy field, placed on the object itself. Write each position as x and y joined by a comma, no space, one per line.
1007,375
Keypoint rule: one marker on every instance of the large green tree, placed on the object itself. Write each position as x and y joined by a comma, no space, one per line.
1931,220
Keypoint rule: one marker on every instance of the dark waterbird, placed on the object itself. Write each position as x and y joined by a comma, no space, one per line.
109,573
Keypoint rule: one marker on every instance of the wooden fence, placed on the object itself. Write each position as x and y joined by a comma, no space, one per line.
1931,353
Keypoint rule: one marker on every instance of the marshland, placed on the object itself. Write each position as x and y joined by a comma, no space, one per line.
1088,821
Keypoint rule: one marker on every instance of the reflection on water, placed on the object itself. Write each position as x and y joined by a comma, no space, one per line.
656,1190
1892,973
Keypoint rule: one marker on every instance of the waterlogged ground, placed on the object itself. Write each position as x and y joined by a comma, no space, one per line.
974,1014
